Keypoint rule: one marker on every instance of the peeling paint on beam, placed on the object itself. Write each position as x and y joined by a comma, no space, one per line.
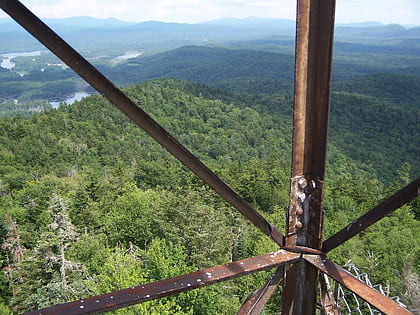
328,301
123,298
305,215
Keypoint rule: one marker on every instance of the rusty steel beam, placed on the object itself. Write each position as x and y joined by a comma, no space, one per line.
90,74
328,301
387,206
370,295
314,43
256,301
147,292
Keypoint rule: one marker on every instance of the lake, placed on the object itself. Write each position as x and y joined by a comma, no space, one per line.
7,63
76,97
127,55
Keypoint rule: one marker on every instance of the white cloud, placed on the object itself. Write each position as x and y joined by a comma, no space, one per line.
386,11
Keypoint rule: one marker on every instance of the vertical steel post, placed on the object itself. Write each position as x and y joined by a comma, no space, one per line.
314,37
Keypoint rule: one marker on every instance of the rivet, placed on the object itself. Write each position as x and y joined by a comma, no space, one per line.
299,225
302,183
299,211
301,196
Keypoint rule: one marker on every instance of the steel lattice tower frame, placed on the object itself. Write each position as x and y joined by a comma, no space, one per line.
301,260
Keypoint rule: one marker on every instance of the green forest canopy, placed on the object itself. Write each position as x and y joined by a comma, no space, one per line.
90,204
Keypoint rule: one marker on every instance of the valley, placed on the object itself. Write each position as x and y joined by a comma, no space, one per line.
90,204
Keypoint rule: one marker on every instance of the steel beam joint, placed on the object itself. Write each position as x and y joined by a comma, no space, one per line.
305,215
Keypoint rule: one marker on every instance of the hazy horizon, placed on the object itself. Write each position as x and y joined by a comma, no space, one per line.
7,18
403,12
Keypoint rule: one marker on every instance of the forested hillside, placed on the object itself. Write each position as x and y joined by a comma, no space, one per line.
213,65
90,204
374,110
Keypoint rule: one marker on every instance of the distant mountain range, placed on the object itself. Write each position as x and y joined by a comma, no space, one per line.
68,24
87,32
84,22
249,70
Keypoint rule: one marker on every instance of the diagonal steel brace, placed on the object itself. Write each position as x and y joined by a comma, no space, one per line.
147,292
96,79
373,297
256,301
386,207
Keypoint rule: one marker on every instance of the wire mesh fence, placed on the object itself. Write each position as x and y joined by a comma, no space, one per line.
349,303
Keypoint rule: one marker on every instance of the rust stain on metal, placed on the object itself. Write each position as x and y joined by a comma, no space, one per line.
256,301
314,42
162,288
342,276
327,297
305,215
303,250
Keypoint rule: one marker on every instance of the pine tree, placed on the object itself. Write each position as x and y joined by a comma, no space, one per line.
66,234
45,276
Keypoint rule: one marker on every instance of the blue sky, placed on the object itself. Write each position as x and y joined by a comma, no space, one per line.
192,11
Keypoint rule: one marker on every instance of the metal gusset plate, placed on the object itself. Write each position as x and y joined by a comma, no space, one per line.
257,300
373,297
104,86
115,300
387,206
